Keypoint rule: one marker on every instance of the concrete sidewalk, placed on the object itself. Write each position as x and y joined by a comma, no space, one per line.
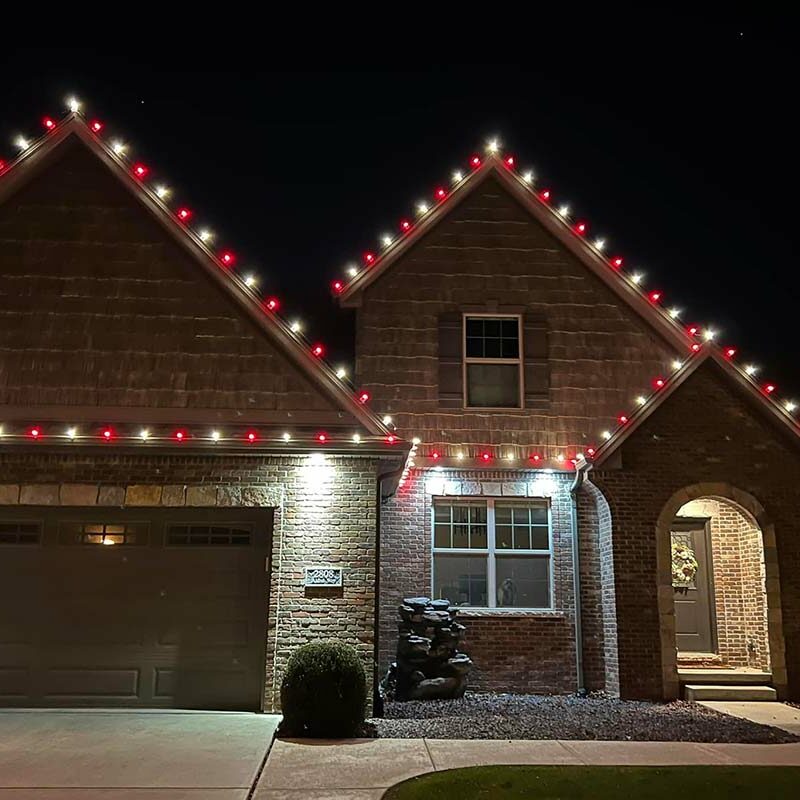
362,769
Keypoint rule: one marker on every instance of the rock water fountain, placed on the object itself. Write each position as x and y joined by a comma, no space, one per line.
428,664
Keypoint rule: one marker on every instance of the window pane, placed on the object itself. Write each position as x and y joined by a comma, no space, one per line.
492,328
478,514
523,581
460,579
441,513
441,536
502,514
521,515
477,537
503,539
522,538
510,348
510,329
475,327
492,348
539,515
493,385
460,536
460,513
540,539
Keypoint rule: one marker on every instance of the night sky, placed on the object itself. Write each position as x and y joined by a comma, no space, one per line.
680,151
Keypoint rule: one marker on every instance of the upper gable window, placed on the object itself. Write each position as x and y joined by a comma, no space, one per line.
492,361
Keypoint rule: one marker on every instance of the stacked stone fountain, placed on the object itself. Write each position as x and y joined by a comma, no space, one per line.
428,664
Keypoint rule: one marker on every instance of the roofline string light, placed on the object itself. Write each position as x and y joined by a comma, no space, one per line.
183,215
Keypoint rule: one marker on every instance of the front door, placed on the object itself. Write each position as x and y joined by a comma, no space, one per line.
693,586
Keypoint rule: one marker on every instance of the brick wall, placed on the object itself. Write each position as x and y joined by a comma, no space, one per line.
489,253
325,514
738,582
707,434
512,651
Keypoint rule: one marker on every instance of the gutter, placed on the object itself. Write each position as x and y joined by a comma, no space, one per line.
580,475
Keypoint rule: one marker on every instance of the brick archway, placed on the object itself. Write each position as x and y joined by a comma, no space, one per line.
666,605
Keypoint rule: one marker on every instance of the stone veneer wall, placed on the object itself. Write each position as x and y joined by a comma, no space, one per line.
325,513
739,590
512,651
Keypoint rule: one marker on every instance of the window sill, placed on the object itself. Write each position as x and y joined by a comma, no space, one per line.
477,613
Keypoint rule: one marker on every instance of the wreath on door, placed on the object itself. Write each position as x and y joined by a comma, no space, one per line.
684,567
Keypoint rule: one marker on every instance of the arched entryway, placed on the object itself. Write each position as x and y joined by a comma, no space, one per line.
719,596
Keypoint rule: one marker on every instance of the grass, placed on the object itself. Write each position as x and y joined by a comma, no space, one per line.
601,783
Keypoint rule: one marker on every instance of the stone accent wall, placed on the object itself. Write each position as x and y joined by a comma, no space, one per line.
489,254
325,513
707,436
738,583
511,651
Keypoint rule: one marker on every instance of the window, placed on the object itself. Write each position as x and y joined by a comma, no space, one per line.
492,362
492,553
207,535
103,533
20,532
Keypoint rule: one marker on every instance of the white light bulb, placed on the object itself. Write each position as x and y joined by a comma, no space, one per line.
118,147
527,177
250,280
560,457
416,441
641,400
606,435
709,334
422,208
563,211
162,192
356,438
22,143
287,437
215,436
599,244
144,434
352,271
73,104
790,406
460,456
296,326
205,235
751,369
676,365
637,278
341,373
386,240
674,313
509,456
458,176
72,433
387,420
493,145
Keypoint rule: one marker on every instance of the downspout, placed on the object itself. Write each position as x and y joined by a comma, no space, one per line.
580,474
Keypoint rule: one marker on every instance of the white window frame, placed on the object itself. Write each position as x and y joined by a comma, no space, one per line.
520,360
490,552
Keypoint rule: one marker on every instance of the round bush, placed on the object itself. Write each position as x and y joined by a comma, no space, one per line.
324,691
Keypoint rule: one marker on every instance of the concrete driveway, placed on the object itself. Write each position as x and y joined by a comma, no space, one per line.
131,755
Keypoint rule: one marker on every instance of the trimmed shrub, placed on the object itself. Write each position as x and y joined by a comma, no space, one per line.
324,691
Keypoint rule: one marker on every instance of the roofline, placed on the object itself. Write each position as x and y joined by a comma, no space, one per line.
668,328
23,168
690,366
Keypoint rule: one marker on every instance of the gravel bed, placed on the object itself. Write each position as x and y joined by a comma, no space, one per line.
507,716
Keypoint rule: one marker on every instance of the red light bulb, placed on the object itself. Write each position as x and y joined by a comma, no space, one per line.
580,228
108,434
322,438
337,286
440,193
616,262
405,225
318,350
2,165
96,125
659,383
35,433
544,196
622,419
730,352
536,458
48,123
769,388
696,347
435,455
183,214
251,436
486,456
590,451
369,258
180,436
364,397
654,297
272,303
693,330
475,162
140,171
391,439
227,258
509,162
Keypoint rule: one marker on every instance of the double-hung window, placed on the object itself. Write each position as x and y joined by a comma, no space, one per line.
492,361
492,553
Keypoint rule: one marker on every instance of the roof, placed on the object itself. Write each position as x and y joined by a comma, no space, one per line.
307,357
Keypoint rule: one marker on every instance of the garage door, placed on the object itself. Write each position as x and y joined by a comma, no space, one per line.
150,608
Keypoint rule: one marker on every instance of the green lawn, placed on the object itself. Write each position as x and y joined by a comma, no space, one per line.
599,783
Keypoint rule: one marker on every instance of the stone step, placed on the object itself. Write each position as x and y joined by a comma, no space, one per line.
722,676
707,691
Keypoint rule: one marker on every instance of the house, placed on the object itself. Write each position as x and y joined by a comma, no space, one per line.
532,436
